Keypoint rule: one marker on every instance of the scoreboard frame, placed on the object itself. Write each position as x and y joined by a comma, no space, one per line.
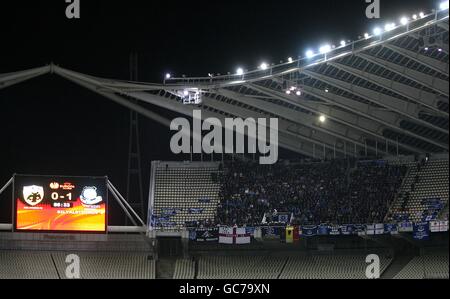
65,177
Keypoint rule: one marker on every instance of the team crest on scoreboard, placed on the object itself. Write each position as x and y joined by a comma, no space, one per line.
33,195
89,196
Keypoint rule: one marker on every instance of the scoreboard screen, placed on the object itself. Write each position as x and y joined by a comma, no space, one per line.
60,204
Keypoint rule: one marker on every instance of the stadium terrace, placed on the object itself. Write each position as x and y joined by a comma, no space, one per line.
333,164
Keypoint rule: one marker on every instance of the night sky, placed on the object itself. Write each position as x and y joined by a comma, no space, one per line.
51,126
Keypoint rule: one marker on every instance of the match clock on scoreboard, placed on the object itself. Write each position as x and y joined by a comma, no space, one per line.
60,204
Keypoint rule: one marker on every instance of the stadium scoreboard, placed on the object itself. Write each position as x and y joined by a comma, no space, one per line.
60,204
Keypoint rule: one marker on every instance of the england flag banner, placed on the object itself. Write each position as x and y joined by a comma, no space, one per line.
375,229
234,235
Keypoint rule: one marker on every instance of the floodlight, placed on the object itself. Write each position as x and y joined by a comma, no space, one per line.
263,66
325,49
377,31
389,27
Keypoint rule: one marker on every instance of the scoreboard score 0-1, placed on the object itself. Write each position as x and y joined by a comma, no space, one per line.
60,204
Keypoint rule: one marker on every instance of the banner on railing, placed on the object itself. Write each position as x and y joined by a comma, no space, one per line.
334,230
291,234
405,227
234,235
323,230
272,232
391,228
348,229
374,229
204,235
438,226
308,231
421,231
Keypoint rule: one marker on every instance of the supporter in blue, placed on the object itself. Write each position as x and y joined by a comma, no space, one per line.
335,192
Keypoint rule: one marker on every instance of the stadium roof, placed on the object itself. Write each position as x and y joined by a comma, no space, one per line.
387,93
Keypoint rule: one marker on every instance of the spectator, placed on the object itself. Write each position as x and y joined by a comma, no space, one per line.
332,192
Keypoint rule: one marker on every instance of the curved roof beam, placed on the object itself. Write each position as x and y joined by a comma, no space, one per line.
358,122
10,79
419,58
364,111
331,128
286,126
357,91
407,109
436,84
290,137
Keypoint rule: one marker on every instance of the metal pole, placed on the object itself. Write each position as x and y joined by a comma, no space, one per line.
324,152
6,185
355,151
121,205
111,188
365,142
387,147
126,203
335,150
398,151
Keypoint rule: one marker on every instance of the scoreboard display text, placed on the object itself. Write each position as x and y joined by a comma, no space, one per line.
60,204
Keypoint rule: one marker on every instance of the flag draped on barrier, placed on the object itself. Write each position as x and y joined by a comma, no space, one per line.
292,234
421,231
234,235
204,235
438,226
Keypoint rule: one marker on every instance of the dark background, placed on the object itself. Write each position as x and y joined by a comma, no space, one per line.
51,126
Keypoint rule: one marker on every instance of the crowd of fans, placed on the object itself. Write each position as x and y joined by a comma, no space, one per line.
335,192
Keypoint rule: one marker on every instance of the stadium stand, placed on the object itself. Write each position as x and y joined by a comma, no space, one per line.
339,191
185,193
305,267
242,267
330,267
428,266
27,265
184,269
93,265
424,192
109,265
